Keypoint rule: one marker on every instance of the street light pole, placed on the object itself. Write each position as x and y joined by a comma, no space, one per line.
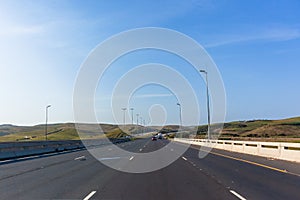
124,109
137,119
46,131
132,115
208,110
137,123
141,122
178,104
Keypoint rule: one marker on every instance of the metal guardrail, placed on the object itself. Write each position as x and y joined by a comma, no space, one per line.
277,150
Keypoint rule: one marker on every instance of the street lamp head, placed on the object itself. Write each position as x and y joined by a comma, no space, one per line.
203,71
178,104
48,106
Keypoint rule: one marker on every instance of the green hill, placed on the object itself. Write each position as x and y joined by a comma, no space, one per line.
63,131
267,130
284,130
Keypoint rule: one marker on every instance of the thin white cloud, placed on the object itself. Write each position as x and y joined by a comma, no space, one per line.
283,34
153,95
164,11
121,97
13,30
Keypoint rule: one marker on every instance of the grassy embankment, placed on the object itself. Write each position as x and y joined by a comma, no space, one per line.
285,130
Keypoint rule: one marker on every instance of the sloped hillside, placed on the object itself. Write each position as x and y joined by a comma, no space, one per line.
64,131
268,130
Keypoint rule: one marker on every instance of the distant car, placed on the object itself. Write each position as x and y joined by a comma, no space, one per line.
159,136
154,138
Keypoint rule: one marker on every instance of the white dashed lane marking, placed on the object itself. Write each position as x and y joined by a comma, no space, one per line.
231,191
111,158
237,195
80,158
90,195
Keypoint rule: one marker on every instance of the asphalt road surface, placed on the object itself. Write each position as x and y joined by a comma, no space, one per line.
220,175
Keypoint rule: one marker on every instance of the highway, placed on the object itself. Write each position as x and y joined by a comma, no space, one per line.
220,175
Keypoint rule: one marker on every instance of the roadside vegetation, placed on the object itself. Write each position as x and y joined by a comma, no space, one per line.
285,130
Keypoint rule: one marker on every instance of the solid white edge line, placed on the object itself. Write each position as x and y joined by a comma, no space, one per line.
27,157
183,158
237,195
90,195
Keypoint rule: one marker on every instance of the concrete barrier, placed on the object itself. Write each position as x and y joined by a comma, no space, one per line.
9,150
20,149
277,150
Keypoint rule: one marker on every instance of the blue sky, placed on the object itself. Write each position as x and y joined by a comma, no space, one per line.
255,44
